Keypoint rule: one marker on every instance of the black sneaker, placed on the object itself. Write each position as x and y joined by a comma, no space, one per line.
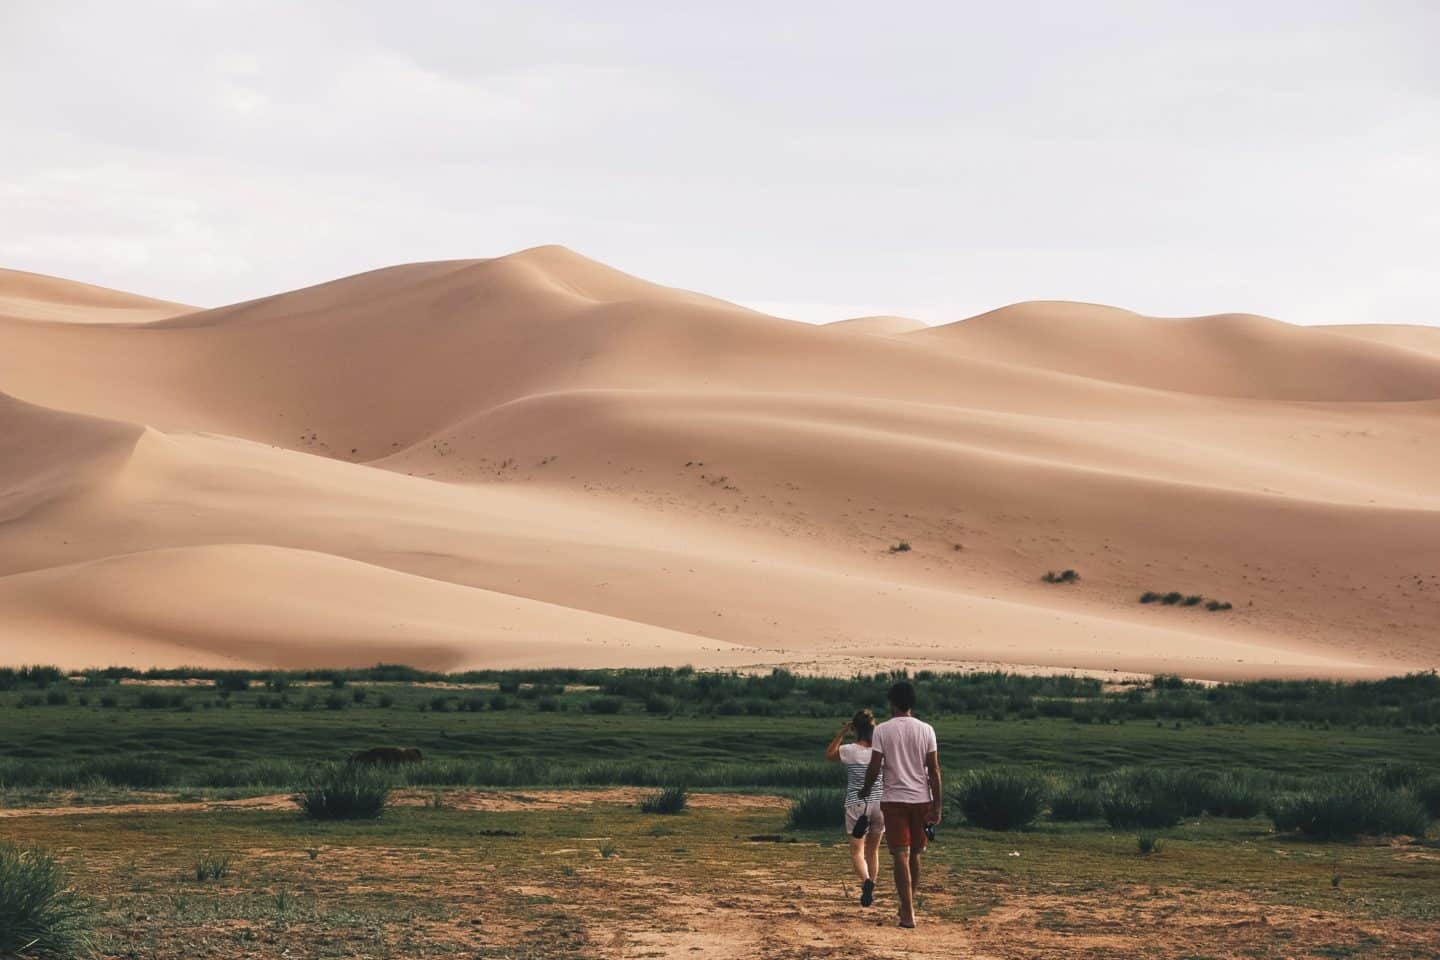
867,893
862,826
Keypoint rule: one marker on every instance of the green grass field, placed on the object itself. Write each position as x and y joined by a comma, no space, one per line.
235,739
488,848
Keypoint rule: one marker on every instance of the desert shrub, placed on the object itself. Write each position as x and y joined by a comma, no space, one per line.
336,701
499,702
1217,605
659,703
547,705
387,701
1000,799
1427,791
40,916
604,705
211,865
1172,597
816,810
440,704
902,547
510,685
1340,808
1192,600
1149,596
337,682
1064,576
665,800
345,792
359,694
109,700
1074,801
56,697
1147,843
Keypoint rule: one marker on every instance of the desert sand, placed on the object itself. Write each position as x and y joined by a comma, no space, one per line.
540,460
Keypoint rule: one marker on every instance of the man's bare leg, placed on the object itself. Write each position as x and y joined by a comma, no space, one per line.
902,886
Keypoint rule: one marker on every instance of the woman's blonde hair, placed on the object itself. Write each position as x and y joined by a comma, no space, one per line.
864,721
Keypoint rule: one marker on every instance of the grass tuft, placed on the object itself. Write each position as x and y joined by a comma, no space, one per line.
817,810
212,865
665,800
40,916
346,792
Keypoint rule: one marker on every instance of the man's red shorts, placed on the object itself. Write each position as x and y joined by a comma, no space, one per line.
905,825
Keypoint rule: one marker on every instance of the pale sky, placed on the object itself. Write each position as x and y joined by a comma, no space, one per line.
818,160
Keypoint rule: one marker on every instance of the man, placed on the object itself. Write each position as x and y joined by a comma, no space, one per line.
906,748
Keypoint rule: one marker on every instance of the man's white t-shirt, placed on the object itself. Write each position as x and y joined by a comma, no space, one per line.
905,741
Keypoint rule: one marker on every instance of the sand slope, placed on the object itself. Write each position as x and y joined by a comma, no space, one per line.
539,459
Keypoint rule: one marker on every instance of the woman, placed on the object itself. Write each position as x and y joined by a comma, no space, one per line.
863,820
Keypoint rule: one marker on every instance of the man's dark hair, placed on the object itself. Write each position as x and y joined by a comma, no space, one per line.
902,695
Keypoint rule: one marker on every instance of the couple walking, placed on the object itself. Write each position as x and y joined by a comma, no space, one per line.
893,791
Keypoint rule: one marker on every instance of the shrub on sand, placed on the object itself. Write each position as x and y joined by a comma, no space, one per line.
40,916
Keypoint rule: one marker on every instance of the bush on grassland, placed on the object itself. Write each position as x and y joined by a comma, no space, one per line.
122,771
40,916
1075,801
1340,808
817,810
1001,799
1427,791
345,792
670,799
1141,797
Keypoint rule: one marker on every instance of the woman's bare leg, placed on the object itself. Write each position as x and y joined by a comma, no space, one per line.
872,852
858,859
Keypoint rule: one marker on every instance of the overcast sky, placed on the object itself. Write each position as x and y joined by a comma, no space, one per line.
818,160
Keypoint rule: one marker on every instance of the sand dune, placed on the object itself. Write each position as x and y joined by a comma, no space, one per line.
33,296
539,459
1231,355
883,326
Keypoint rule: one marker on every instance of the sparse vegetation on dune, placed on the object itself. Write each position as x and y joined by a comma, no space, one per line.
1176,598
1064,576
